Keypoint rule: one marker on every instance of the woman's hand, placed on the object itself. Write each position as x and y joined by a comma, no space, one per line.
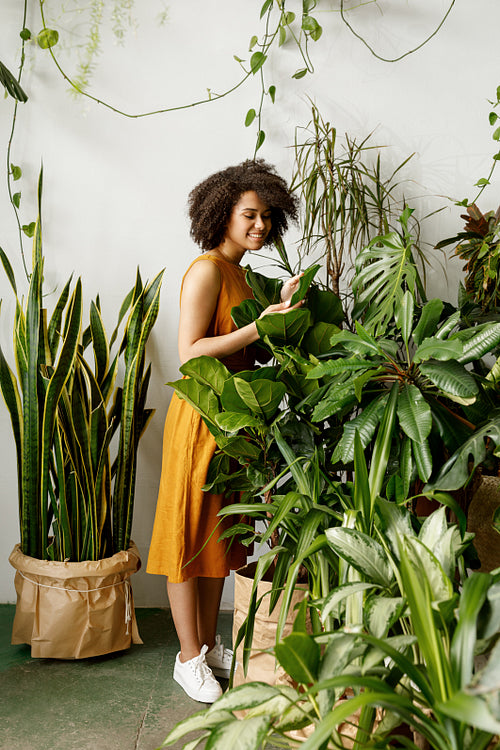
281,307
290,287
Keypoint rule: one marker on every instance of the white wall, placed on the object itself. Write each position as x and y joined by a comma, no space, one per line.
115,188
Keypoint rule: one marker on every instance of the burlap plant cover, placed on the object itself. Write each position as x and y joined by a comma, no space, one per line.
71,610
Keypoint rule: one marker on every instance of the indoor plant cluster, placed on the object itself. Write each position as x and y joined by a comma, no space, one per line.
363,412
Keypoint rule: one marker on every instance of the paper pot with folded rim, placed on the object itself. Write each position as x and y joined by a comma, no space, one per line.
78,410
75,610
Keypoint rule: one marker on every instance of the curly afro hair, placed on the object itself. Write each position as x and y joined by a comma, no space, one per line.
211,202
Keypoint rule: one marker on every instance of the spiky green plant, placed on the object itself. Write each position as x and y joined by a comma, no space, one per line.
75,501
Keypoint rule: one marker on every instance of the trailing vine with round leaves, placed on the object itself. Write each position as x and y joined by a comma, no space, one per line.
281,26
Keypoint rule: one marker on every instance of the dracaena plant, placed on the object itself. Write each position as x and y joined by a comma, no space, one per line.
65,402
410,656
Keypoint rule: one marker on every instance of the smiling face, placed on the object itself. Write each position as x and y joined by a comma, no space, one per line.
248,227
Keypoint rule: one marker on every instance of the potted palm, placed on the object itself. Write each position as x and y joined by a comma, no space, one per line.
68,415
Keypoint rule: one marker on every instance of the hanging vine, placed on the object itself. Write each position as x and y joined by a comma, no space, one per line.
281,26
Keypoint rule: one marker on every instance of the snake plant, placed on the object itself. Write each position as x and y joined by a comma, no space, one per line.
66,405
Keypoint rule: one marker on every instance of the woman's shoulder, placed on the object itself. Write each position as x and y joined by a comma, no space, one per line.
202,272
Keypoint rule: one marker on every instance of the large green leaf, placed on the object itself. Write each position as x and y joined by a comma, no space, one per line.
201,397
456,471
463,644
246,312
341,365
381,612
472,710
365,424
304,283
451,378
325,306
317,338
428,321
208,371
363,552
434,348
286,328
267,291
414,413
478,341
299,655
240,735
404,316
231,421
259,397
383,270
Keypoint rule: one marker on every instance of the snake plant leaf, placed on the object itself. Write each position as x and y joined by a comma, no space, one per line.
363,552
478,341
381,612
451,378
414,413
207,371
99,343
428,321
231,421
457,470
317,339
8,270
304,283
54,327
284,328
62,371
299,655
433,348
266,291
325,306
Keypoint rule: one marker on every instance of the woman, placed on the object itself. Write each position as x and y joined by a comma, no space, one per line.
239,209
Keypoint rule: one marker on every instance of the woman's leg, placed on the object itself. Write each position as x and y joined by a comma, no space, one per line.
209,596
183,598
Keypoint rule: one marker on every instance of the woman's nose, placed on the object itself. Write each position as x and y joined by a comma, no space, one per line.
259,222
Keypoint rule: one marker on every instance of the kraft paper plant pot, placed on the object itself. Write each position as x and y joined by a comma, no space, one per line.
261,667
75,610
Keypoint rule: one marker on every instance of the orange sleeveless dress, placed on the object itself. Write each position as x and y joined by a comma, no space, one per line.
186,516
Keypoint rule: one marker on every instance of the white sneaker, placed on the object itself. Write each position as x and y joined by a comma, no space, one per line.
219,659
196,678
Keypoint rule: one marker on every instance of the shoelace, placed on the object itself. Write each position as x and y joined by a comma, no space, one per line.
220,650
200,668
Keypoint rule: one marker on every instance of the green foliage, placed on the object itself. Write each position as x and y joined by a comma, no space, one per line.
12,86
65,406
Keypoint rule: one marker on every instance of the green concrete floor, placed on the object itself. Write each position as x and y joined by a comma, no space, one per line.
123,701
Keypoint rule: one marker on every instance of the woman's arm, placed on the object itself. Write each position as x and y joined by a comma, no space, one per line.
198,302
